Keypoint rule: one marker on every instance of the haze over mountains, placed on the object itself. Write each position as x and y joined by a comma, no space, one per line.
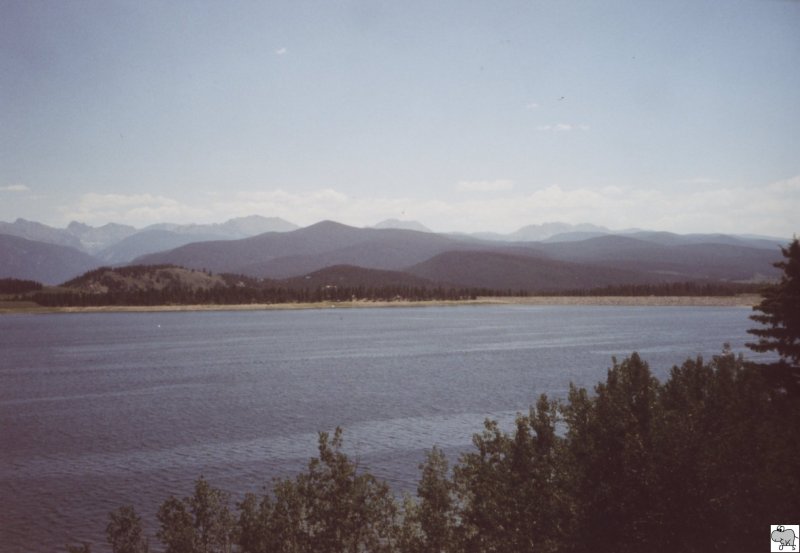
547,257
117,243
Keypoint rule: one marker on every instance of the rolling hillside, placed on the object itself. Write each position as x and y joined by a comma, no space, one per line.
518,272
595,261
348,276
282,255
577,261
46,263
685,261
141,278
137,278
149,241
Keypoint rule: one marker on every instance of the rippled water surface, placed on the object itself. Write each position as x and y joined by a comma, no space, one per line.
100,410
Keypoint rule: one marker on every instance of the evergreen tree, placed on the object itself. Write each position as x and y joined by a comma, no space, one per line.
780,315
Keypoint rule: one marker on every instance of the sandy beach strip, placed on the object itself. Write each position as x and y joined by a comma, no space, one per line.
742,300
748,300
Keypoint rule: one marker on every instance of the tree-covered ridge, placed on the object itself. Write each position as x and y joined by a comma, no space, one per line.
132,278
688,288
107,280
169,284
633,465
18,286
151,285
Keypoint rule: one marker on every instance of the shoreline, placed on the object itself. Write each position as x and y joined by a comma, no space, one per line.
746,300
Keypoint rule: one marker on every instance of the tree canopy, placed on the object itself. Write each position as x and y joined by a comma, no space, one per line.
779,313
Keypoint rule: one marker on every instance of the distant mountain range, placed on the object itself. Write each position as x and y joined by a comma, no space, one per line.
548,257
536,233
403,225
282,255
114,243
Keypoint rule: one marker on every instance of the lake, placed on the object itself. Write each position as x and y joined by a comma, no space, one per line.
100,410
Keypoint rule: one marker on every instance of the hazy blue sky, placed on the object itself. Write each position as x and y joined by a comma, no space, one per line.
672,115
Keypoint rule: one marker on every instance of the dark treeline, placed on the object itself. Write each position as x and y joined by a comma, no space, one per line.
231,295
17,286
244,292
706,460
689,288
144,285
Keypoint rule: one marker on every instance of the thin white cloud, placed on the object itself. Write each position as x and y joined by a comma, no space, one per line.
281,51
134,209
308,207
769,209
563,127
612,190
14,188
531,105
497,185
791,186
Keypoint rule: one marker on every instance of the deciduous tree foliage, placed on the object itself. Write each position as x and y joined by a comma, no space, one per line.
201,523
704,461
511,490
332,507
429,523
124,531
610,450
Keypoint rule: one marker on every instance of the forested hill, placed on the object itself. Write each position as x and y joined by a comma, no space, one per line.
142,277
169,284
173,285
163,277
